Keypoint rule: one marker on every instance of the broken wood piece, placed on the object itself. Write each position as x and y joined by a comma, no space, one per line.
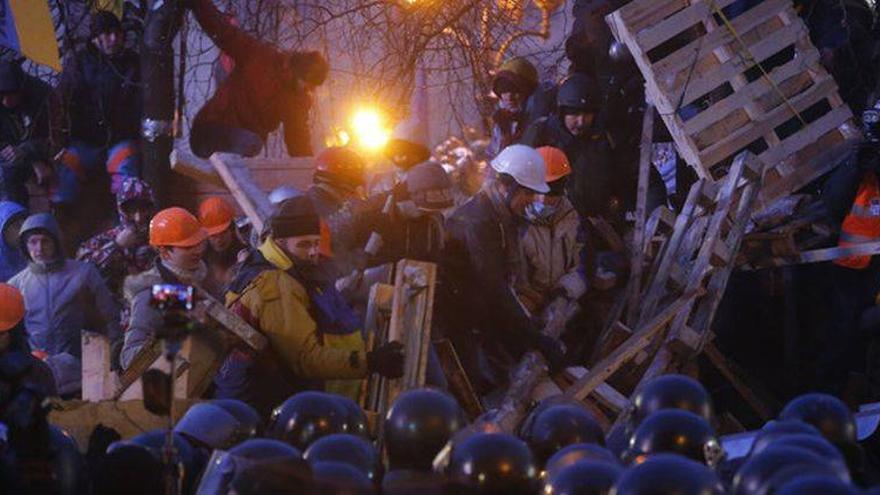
634,287
817,256
728,371
637,342
607,395
98,382
459,383
195,168
236,176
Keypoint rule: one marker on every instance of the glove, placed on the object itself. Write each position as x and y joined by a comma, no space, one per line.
553,351
386,360
868,156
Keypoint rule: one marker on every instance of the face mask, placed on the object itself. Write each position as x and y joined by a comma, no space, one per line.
539,212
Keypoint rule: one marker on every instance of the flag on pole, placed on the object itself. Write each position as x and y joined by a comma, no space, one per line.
26,27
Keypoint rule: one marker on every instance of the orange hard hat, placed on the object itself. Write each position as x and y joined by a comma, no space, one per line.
176,227
216,215
556,163
11,307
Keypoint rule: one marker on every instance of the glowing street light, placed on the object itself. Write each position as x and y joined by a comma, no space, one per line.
369,130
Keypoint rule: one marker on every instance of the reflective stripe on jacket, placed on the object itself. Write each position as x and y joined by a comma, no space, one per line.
862,224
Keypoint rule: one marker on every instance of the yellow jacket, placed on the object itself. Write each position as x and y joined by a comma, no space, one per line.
278,305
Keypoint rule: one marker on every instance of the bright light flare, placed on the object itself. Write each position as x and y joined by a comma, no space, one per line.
369,129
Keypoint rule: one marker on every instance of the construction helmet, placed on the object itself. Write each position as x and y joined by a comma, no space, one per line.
519,73
216,215
176,227
11,307
556,163
340,166
525,165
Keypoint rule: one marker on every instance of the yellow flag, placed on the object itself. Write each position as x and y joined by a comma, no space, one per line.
36,33
114,6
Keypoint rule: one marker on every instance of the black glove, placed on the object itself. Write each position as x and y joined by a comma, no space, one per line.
387,360
553,351
868,156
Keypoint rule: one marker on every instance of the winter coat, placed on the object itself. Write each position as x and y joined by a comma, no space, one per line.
480,263
145,320
596,179
551,255
313,335
12,260
102,96
253,97
64,299
27,126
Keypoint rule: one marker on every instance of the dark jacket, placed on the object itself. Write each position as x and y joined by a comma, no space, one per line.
102,98
27,126
12,260
480,260
254,96
598,178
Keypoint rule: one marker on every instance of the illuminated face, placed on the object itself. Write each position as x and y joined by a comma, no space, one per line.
185,258
41,247
221,242
110,43
303,248
578,123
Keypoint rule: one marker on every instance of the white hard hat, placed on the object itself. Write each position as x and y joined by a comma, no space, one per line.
525,165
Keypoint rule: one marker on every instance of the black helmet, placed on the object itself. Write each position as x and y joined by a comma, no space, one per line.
667,473
815,444
349,449
418,425
224,467
672,392
775,466
189,458
827,413
558,426
578,92
355,418
495,463
130,469
584,478
776,429
340,478
306,417
676,432
284,476
578,453
211,426
251,422
816,484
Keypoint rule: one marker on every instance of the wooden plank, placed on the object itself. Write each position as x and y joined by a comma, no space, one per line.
634,287
641,13
727,370
639,341
459,383
737,100
721,150
98,382
195,168
817,256
237,178
606,394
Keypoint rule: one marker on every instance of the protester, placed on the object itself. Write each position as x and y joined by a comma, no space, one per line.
12,261
217,217
24,132
63,297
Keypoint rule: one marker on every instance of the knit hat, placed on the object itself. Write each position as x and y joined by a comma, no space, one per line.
104,21
294,217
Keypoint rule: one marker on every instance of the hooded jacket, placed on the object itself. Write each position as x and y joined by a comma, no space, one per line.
11,259
63,298
253,96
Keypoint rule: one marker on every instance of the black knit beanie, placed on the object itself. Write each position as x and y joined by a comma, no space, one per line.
294,217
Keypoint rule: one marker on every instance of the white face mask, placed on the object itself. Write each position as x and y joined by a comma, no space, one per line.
539,212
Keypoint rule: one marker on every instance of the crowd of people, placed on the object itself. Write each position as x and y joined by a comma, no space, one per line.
549,223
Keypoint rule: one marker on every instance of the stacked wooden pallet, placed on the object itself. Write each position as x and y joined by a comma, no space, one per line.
725,82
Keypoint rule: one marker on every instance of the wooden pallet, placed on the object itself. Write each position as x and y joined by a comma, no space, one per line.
708,86
685,284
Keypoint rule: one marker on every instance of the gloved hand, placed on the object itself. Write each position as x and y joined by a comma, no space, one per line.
386,360
553,351
868,156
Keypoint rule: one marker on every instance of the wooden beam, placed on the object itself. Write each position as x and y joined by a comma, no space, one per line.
634,287
639,340
195,168
238,180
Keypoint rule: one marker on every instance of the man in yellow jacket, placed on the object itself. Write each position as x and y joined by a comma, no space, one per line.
282,290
